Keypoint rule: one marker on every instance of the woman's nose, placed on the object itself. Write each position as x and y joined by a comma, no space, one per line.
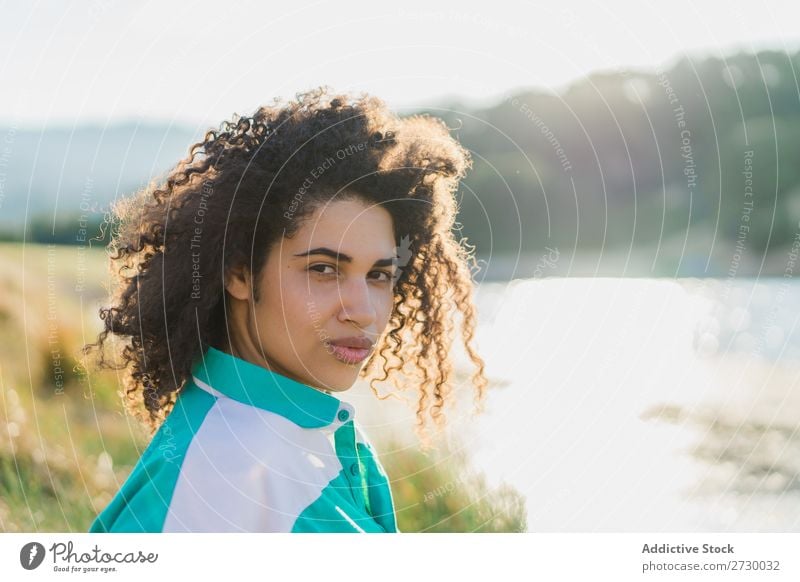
356,302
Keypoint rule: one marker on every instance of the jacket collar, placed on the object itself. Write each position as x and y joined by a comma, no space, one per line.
228,376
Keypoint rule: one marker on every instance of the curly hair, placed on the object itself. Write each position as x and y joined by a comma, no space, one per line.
246,185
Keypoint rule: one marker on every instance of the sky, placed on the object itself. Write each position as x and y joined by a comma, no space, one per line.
100,61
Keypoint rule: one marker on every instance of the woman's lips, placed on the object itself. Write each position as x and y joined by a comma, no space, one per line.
350,350
349,355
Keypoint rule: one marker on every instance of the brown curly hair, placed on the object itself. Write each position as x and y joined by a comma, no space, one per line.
241,183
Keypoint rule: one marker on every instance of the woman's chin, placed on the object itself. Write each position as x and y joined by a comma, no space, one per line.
338,380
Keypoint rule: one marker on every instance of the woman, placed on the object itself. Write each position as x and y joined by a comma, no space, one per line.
290,253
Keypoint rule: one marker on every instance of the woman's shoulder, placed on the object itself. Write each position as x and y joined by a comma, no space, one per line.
218,465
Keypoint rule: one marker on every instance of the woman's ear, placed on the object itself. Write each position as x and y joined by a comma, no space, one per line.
238,282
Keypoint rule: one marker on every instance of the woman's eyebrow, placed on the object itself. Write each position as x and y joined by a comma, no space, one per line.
345,258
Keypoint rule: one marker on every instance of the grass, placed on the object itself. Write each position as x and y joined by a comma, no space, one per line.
439,492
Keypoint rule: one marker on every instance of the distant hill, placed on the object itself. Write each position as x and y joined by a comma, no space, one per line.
628,159
694,168
50,173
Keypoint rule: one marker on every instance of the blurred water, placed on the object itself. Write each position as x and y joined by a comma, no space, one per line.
640,404
645,404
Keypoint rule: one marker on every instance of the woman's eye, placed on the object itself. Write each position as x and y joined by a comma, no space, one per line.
386,276
320,268
382,276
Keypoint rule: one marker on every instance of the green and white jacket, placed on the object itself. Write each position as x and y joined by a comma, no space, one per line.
246,449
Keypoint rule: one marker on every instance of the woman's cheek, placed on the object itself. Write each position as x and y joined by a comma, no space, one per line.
316,308
321,294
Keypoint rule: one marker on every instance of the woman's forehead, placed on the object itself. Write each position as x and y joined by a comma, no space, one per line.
350,228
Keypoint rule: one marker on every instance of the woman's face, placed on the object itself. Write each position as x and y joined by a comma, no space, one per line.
311,299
